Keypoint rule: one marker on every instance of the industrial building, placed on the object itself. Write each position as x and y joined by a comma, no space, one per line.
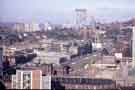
50,57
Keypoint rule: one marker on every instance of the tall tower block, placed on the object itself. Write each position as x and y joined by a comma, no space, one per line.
1,61
133,46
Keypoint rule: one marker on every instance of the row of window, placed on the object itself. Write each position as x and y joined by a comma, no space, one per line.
83,81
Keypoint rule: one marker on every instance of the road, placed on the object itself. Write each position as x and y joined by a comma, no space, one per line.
79,62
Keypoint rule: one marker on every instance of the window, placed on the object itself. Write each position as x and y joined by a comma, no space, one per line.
26,80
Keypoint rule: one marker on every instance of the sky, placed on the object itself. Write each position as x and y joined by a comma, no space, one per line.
62,11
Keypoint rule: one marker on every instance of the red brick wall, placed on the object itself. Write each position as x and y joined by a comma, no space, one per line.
36,79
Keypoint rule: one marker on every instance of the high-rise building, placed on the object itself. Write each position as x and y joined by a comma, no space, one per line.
19,27
133,47
86,34
1,61
31,27
26,27
34,27
27,79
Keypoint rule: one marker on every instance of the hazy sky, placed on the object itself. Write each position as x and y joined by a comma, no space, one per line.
62,11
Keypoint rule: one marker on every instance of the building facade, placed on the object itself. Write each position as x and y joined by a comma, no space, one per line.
27,79
1,61
26,27
133,47
83,83
19,27
33,79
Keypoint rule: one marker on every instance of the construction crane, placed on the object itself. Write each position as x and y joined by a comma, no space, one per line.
81,17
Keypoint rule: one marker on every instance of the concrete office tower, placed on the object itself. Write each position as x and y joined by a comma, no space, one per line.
133,46
19,27
27,79
26,27
34,27
31,27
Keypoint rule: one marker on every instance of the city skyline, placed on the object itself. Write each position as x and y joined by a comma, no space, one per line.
62,11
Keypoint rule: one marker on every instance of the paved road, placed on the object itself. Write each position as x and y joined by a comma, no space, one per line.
79,62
